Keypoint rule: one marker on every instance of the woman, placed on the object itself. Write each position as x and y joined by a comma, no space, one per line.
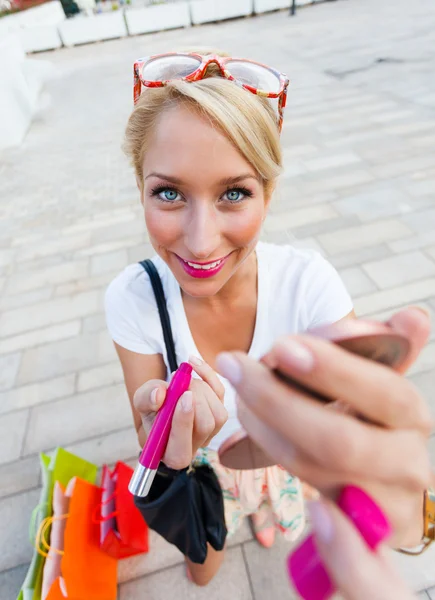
206,154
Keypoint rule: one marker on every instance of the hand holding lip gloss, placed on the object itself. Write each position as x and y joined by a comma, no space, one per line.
157,440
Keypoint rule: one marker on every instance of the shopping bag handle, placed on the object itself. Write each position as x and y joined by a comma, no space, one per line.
99,520
41,539
34,516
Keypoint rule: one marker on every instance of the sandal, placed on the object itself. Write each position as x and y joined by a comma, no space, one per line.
263,526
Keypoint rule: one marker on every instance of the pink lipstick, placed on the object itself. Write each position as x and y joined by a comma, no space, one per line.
202,270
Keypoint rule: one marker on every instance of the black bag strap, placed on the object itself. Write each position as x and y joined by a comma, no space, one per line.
156,282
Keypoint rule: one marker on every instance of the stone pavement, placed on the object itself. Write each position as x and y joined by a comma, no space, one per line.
359,185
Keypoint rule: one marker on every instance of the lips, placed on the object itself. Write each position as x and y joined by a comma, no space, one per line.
202,270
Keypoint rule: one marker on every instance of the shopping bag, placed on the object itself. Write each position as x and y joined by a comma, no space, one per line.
87,572
123,531
61,466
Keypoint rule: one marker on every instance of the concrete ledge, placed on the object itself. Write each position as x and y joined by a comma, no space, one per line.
206,11
81,30
39,38
157,18
261,6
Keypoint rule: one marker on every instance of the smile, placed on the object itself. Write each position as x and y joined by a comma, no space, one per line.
202,270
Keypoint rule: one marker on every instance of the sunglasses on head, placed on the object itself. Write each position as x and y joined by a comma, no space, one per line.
159,70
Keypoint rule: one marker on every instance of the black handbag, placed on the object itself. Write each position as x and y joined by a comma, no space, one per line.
185,507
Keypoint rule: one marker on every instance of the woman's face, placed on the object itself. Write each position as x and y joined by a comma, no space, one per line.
204,203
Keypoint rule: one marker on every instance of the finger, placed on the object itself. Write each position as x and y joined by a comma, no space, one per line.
371,389
148,399
337,441
204,421
179,452
358,573
210,413
208,375
414,324
329,482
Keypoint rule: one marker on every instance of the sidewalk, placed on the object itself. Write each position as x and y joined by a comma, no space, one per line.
359,185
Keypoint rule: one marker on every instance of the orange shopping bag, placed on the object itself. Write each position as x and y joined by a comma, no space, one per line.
87,573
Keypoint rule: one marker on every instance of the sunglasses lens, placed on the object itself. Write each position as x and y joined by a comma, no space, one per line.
255,75
173,66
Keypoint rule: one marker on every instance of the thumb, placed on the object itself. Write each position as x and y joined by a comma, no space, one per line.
414,324
358,572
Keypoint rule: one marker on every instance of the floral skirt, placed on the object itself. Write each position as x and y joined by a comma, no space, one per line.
249,492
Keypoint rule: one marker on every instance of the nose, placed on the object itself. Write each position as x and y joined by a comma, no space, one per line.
202,233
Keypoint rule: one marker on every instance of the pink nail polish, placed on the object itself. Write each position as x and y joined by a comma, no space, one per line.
304,564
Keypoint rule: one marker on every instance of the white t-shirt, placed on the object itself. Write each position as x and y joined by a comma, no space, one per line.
297,290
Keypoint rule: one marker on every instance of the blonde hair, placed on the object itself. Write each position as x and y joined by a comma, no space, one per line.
247,120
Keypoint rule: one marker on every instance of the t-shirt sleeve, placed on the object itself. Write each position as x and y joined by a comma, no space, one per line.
132,319
326,297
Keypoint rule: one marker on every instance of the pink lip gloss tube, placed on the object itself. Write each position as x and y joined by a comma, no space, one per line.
304,565
155,446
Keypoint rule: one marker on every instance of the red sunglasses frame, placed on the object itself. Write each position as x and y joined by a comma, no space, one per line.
199,73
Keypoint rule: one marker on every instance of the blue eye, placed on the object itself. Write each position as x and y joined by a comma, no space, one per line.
166,194
237,195
169,195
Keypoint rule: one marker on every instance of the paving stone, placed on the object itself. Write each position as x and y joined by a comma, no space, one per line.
98,282
346,180
109,447
49,313
267,570
425,382
331,161
77,418
399,269
53,247
37,337
14,529
417,571
161,556
353,238
100,376
26,299
94,323
18,476
415,242
375,203
411,293
321,227
11,581
9,366
425,360
37,393
422,221
356,257
66,356
356,281
67,271
12,431
299,217
230,582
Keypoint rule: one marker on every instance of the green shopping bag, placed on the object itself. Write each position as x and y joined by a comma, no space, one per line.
62,467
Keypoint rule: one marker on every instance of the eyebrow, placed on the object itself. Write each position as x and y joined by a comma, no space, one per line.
225,181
